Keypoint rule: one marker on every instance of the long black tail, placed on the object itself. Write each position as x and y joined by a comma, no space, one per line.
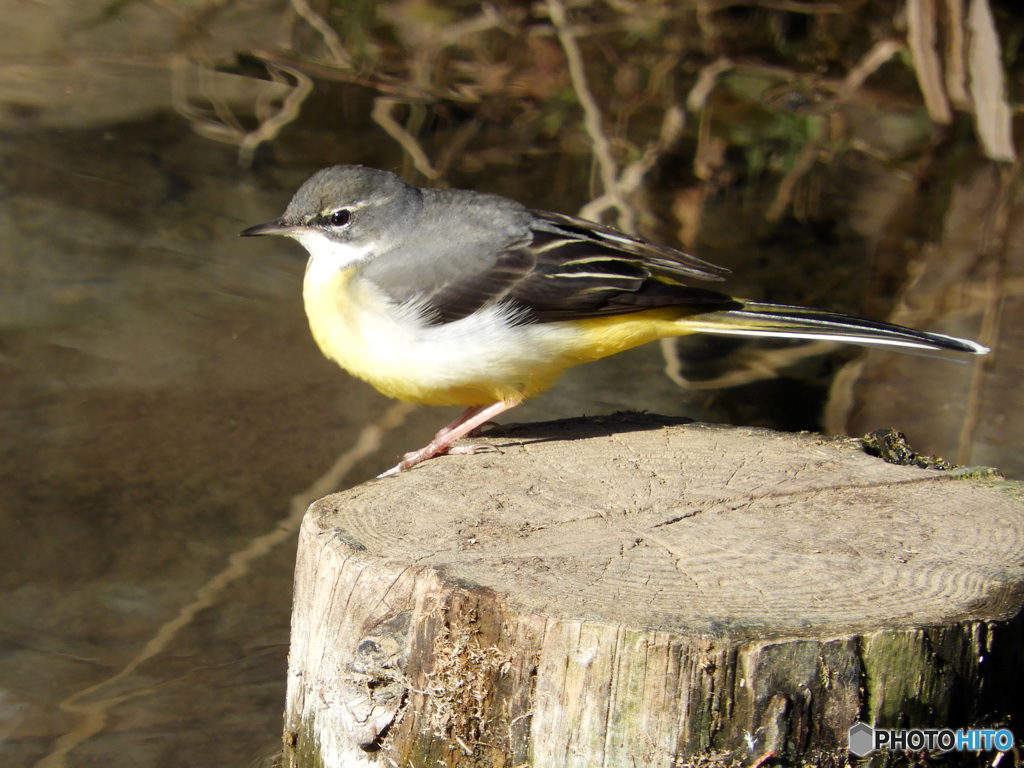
780,321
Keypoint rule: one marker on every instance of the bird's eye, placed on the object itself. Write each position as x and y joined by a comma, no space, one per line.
339,218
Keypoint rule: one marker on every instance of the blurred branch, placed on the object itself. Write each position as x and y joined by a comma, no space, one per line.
880,53
706,79
487,19
753,365
956,56
271,126
591,117
631,178
987,88
339,57
223,126
383,109
991,112
787,186
379,83
922,40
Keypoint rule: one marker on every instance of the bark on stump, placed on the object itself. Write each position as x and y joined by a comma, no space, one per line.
633,591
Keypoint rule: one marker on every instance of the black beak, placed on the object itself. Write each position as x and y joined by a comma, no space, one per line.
275,227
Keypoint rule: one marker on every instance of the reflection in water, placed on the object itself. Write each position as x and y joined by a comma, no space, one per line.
92,705
164,404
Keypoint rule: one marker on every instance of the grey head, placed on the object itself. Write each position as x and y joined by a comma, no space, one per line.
349,207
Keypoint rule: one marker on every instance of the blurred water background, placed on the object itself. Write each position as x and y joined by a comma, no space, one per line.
166,417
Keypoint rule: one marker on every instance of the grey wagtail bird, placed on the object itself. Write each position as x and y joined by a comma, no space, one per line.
452,297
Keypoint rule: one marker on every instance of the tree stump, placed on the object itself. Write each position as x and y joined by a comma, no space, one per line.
637,591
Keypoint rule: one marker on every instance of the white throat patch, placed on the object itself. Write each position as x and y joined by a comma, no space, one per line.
327,257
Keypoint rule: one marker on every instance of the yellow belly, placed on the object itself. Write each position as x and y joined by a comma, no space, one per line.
474,361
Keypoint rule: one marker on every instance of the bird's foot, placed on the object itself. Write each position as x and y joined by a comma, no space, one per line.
435,448
442,442
413,458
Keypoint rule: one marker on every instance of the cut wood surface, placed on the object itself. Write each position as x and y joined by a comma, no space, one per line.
638,591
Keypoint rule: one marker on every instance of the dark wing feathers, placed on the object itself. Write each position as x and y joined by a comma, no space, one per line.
557,268
581,273
459,298
667,259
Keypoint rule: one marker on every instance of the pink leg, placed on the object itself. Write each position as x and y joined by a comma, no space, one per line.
442,442
466,415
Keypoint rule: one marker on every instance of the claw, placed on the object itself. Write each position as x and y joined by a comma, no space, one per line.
470,450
